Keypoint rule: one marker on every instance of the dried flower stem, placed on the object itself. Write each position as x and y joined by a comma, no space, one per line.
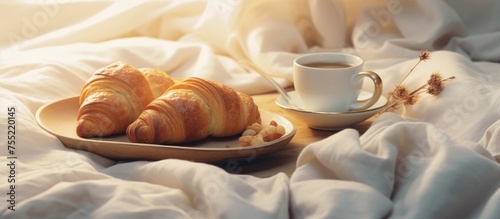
409,72
423,56
400,94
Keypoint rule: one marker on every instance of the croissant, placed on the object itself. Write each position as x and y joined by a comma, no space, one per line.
115,96
192,110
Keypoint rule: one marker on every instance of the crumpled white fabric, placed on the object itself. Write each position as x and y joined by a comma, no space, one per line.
397,169
80,188
436,159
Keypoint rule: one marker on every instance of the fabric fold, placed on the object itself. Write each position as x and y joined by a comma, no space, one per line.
399,166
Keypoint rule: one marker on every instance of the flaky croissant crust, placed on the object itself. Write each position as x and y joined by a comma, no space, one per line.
115,96
192,110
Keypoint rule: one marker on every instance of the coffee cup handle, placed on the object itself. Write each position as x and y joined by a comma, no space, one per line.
377,92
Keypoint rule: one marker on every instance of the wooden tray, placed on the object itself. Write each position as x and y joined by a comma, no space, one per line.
59,119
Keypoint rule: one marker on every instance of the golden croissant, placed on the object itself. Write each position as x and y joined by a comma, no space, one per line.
115,96
192,110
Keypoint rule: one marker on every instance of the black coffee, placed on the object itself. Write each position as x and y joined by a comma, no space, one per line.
328,65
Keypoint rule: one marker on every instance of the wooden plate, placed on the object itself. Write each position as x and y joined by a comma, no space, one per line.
59,119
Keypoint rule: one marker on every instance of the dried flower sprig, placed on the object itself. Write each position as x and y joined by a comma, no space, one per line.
401,95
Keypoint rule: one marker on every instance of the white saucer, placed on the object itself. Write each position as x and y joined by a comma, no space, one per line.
331,120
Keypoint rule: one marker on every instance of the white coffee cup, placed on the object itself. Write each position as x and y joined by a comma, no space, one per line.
332,82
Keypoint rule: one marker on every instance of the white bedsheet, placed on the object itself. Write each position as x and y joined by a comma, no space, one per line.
436,159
